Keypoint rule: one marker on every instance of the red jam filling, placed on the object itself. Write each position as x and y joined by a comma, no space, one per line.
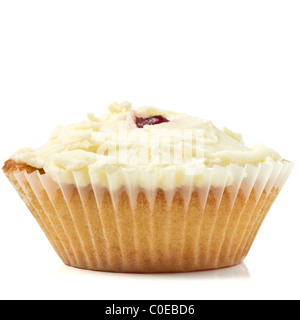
153,120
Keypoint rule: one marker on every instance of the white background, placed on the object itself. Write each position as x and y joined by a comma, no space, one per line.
235,62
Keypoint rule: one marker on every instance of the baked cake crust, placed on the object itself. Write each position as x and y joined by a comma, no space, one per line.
10,167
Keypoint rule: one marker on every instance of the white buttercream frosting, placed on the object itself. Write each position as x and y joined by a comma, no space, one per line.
112,150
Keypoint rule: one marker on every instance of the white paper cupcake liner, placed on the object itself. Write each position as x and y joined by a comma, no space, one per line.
132,229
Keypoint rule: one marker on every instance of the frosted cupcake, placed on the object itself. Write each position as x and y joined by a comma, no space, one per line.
148,190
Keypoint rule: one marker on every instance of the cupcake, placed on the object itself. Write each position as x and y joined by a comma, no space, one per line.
148,190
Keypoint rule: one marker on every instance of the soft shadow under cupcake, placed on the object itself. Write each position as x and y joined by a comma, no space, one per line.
238,272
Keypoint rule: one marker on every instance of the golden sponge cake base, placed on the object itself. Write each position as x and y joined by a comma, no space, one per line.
92,234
